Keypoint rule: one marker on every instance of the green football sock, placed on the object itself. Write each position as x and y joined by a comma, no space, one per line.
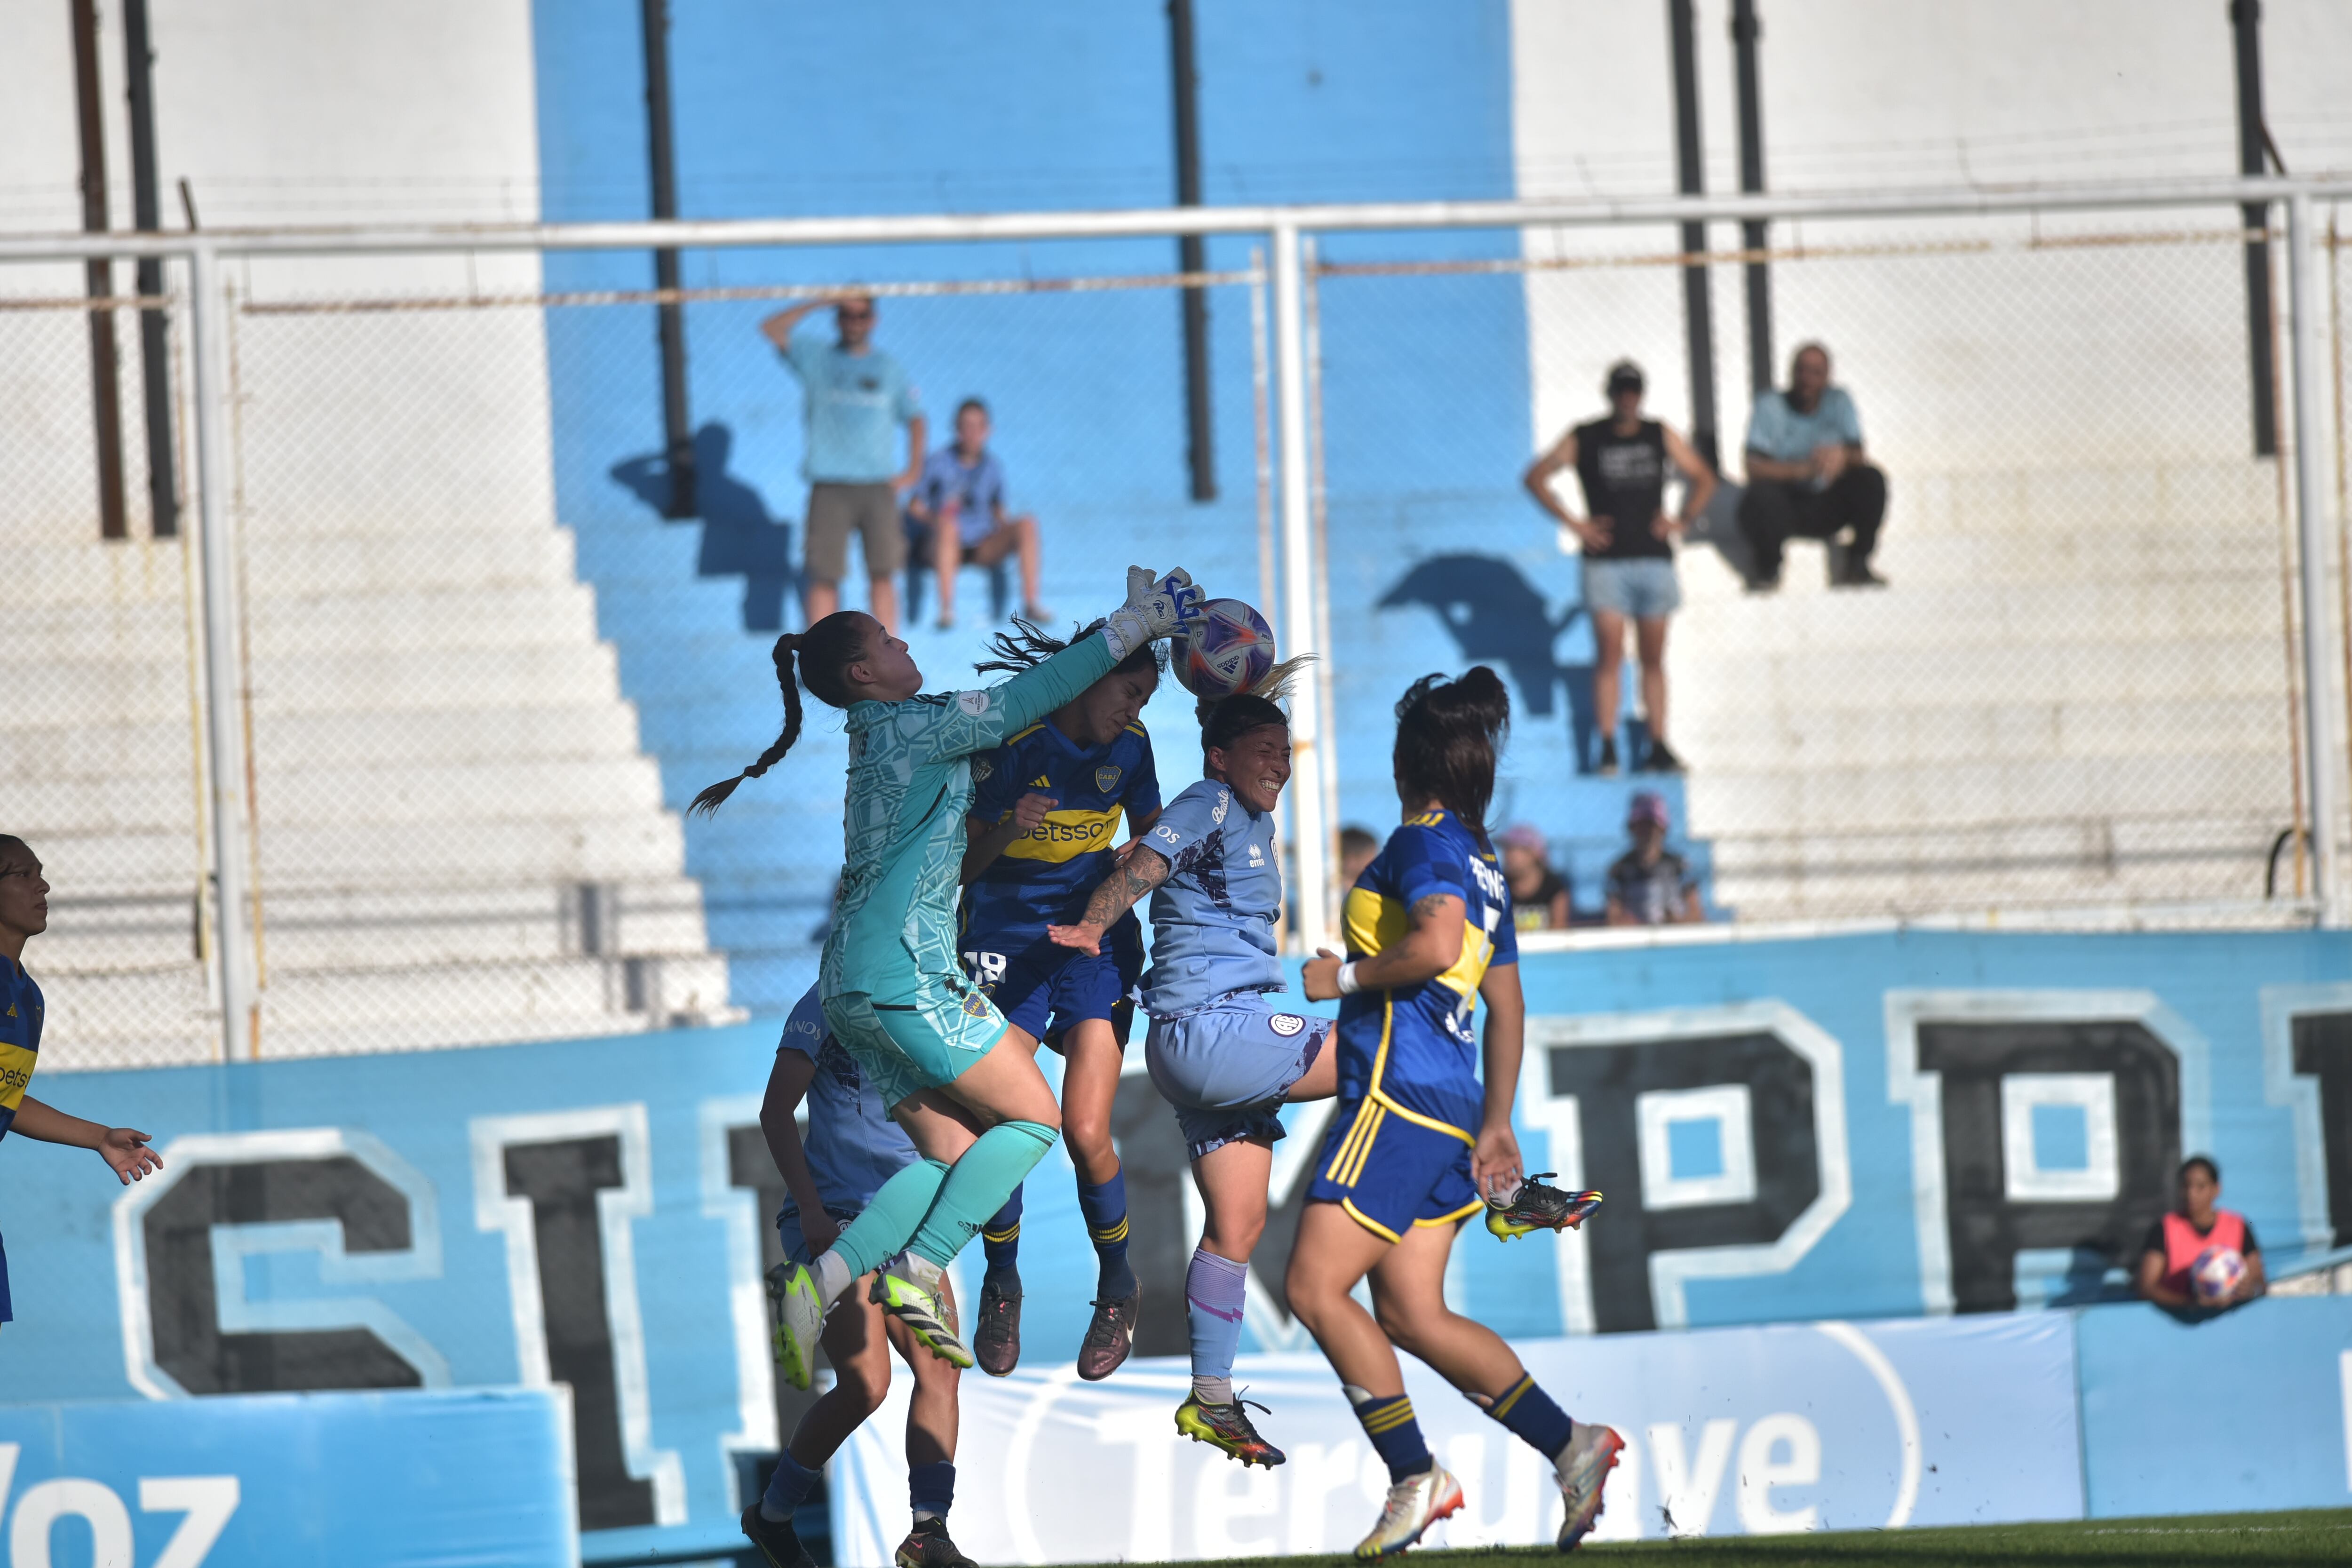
977,1186
881,1231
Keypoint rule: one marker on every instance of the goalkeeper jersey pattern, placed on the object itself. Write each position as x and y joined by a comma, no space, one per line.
894,923
1412,1049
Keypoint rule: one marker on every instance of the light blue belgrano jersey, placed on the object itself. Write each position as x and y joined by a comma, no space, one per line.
1212,919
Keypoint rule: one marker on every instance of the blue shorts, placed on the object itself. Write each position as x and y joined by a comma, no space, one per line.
1390,1172
788,1232
1644,587
1045,989
1226,1066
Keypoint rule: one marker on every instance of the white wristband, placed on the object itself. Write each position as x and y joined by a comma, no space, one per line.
1347,981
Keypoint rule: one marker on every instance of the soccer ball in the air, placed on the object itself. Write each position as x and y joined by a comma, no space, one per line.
2216,1273
1230,648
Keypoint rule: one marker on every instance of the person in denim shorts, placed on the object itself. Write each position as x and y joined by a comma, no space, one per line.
1628,541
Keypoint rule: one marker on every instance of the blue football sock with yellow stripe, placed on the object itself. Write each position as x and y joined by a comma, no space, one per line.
1532,1416
1105,1210
1395,1433
1000,1238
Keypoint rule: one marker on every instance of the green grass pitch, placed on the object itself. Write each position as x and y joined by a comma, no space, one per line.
2243,1538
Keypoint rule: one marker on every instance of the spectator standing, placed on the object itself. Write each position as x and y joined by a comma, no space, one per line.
1540,894
853,394
2178,1240
1628,542
1807,477
957,511
1359,848
1650,885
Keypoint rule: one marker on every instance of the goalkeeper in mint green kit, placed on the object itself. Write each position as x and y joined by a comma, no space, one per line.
895,995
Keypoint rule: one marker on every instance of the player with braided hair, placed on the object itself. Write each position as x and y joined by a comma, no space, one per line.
933,1047
1217,1049
1045,808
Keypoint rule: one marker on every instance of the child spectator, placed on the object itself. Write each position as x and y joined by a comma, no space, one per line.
2178,1240
1540,895
25,913
1649,885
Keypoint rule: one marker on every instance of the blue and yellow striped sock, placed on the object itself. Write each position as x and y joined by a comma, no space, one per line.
1000,1238
1532,1416
1395,1433
1105,1210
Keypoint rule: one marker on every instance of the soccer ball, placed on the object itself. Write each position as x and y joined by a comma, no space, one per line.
1229,649
2216,1273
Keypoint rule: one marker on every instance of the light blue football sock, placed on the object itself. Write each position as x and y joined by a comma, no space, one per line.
977,1186
1214,1291
881,1231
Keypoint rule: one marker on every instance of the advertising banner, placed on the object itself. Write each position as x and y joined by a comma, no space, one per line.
1729,1431
362,1480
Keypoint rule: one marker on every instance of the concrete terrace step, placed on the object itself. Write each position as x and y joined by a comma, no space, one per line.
1740,739
557,616
1940,616
2252,668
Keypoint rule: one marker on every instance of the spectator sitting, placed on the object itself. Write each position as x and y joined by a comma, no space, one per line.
956,510
1807,477
1359,848
1629,552
853,393
2176,1241
1539,899
1649,885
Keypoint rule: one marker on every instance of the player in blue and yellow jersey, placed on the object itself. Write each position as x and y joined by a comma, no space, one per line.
1218,1051
851,1148
895,994
1422,1138
1046,811
25,914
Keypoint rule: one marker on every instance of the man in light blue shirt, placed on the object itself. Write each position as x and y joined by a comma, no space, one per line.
854,396
956,512
1807,477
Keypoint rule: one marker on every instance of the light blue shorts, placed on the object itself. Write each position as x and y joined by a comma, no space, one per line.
796,1245
1645,589
1226,1066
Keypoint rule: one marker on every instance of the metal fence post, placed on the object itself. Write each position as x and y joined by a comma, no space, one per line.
223,699
1301,580
2307,356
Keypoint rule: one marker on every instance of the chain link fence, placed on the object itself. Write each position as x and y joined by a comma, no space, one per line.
481,669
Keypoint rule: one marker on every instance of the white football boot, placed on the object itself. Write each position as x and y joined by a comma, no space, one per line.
799,1319
1583,1469
1414,1505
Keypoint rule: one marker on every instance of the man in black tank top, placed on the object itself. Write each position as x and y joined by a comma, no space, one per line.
1628,541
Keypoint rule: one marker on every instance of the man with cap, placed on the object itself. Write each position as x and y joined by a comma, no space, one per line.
1650,885
1627,537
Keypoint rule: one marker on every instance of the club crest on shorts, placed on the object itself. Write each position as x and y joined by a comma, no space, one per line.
1286,1024
1106,779
975,1006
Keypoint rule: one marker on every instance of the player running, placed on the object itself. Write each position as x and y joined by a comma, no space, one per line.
979,1111
1217,1049
1429,932
1045,807
852,1148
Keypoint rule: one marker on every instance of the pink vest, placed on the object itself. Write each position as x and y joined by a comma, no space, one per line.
2183,1242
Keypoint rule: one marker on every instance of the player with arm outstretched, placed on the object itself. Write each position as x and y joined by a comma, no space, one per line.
894,997
1218,1050
1045,808
852,1148
1429,935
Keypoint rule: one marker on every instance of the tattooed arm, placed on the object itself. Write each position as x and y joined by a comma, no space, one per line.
1430,946
1142,870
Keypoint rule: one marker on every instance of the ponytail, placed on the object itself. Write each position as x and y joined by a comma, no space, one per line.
1448,734
826,651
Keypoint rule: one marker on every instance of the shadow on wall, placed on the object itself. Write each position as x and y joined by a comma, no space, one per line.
738,537
1496,616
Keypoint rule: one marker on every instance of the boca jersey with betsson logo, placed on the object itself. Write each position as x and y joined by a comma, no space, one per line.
20,1037
1047,875
1412,1048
